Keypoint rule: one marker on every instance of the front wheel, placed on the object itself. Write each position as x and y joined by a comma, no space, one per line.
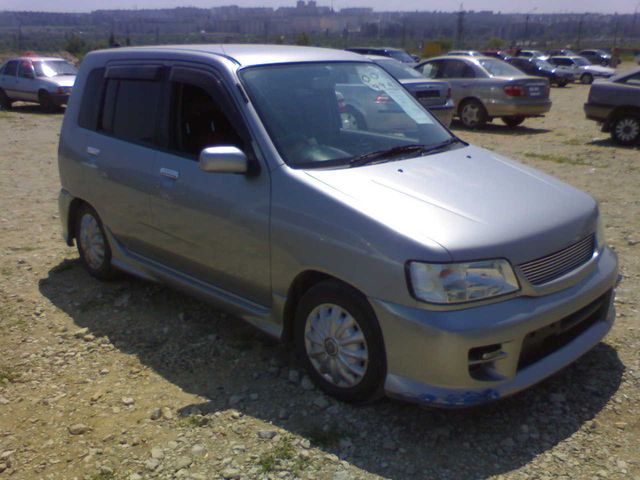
562,83
473,114
625,130
5,101
46,102
92,243
339,341
512,122
586,78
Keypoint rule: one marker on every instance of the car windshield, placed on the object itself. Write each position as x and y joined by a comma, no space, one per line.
333,114
399,70
583,62
498,68
54,68
401,56
543,64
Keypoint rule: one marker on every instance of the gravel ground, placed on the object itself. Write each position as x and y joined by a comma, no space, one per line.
131,380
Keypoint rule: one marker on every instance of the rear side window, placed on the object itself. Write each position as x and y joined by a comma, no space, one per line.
131,109
91,99
11,69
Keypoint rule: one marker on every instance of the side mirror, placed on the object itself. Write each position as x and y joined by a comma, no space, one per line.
224,159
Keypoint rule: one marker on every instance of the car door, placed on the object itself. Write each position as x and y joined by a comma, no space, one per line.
26,83
9,79
117,143
460,76
211,226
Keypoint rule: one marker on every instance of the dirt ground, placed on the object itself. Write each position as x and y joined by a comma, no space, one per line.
131,380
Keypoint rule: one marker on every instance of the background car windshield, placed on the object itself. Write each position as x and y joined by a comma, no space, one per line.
498,68
583,62
399,70
54,69
543,64
324,114
401,56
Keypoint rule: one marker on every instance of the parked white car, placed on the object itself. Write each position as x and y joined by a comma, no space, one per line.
582,68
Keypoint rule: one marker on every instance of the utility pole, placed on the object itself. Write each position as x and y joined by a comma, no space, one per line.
633,25
526,30
615,29
580,30
460,29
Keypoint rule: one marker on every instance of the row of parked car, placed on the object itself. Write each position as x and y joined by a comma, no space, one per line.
472,86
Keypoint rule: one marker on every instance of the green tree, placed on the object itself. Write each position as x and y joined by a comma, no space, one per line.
495,42
303,39
76,46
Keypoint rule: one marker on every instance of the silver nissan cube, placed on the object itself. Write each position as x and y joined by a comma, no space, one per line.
399,261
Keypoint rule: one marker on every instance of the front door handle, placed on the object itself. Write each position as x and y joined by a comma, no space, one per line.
169,173
93,151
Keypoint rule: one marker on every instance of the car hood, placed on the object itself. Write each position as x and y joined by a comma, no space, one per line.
474,203
63,80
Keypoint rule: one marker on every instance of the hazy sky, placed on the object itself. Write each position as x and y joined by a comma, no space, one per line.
608,6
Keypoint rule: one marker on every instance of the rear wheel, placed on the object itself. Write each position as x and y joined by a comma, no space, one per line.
353,120
586,78
339,341
512,122
92,243
625,129
5,101
562,83
472,114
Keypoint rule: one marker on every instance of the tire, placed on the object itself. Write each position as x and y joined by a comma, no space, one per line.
93,246
586,79
513,122
46,102
562,84
351,372
625,129
472,114
5,101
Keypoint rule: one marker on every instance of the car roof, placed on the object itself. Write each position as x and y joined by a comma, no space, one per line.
376,58
247,54
35,59
467,58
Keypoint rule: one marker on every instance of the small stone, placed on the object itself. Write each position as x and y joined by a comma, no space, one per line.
81,332
231,473
183,462
157,453
106,471
267,434
89,338
3,401
294,376
128,401
135,476
306,383
78,429
305,443
321,402
3,467
390,445
155,414
172,444
152,464
235,399
95,397
198,450
620,425
167,413
304,454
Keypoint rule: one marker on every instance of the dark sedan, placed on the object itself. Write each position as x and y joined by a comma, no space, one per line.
541,68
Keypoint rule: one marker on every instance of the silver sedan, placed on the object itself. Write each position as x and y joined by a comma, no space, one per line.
485,88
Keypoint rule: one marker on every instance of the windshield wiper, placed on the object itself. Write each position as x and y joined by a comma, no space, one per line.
404,149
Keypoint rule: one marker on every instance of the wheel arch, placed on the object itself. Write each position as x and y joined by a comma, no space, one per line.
300,285
74,207
470,98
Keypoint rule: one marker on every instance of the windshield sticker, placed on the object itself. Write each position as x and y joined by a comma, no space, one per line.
371,77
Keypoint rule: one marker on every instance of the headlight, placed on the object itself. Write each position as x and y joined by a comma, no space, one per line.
451,283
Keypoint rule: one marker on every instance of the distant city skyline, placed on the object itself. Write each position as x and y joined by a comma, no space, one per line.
505,6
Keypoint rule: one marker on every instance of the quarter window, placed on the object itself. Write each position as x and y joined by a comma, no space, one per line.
26,70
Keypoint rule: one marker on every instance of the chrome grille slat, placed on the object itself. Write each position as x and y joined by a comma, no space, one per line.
546,269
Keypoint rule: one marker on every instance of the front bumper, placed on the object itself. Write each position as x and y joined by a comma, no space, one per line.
506,108
430,354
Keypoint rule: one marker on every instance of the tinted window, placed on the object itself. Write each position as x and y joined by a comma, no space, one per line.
11,68
456,69
498,68
199,122
91,99
131,108
399,70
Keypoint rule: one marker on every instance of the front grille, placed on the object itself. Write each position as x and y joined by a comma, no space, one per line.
546,340
546,269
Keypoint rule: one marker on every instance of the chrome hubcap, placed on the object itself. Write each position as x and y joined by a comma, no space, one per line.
349,121
91,241
336,345
627,129
470,114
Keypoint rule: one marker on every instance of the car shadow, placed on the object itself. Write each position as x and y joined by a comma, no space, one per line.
35,109
210,354
608,142
500,129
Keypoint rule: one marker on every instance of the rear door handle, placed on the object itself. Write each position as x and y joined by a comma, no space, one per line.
169,173
93,151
